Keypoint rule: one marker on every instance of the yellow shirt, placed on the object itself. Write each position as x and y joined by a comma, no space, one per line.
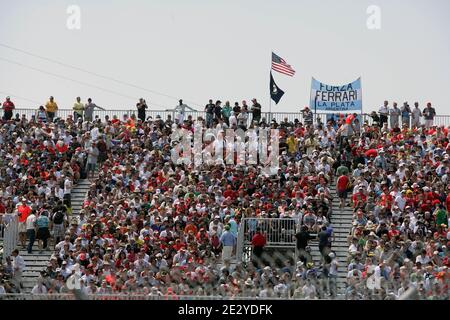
51,106
292,144
78,107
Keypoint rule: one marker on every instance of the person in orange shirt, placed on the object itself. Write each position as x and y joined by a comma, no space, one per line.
23,211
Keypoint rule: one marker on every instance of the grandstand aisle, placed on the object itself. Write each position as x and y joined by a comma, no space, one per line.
36,262
341,222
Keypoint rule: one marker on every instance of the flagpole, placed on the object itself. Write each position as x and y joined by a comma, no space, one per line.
270,96
360,84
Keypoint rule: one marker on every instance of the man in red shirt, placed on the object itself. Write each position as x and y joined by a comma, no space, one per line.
359,198
8,107
341,188
258,243
23,211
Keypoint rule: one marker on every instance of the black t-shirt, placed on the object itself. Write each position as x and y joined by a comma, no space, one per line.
302,239
256,110
210,108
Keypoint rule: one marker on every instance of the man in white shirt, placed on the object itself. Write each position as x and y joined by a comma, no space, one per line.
416,114
31,230
67,190
384,111
233,120
400,200
39,288
18,266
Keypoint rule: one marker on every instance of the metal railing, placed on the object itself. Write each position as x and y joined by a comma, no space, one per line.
278,116
10,231
279,232
118,296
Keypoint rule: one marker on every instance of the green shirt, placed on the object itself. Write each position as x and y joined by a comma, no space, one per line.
441,217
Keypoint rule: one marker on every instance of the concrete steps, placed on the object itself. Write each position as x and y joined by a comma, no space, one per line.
341,221
36,262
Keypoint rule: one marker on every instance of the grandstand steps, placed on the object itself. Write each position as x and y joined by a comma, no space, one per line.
36,261
341,222
79,193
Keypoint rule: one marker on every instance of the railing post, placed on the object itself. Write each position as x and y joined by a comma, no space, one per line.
11,234
240,240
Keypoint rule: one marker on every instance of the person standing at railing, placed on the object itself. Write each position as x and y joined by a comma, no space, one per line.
42,115
8,107
384,111
416,113
89,110
51,107
256,111
141,106
209,109
394,114
243,116
78,109
217,112
226,112
429,113
406,112
308,116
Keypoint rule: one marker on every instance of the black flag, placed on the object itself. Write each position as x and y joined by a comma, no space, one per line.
275,92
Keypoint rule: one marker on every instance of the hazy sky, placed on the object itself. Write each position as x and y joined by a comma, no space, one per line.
201,49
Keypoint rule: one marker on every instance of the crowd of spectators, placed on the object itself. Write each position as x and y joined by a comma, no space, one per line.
152,227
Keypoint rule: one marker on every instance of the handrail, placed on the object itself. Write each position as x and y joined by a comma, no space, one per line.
11,234
278,231
124,296
278,116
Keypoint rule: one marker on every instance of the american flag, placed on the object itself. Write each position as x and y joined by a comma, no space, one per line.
278,64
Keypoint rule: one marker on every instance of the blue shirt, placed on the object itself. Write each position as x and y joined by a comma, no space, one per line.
42,222
227,239
233,226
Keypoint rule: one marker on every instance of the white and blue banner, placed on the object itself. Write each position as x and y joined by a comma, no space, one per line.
336,98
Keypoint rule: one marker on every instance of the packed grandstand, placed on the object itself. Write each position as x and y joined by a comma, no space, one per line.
153,227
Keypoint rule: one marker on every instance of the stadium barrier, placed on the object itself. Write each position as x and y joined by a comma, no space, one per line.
10,234
279,233
104,297
439,120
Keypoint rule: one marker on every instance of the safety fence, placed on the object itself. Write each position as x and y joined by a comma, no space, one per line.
279,232
9,234
105,297
439,120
